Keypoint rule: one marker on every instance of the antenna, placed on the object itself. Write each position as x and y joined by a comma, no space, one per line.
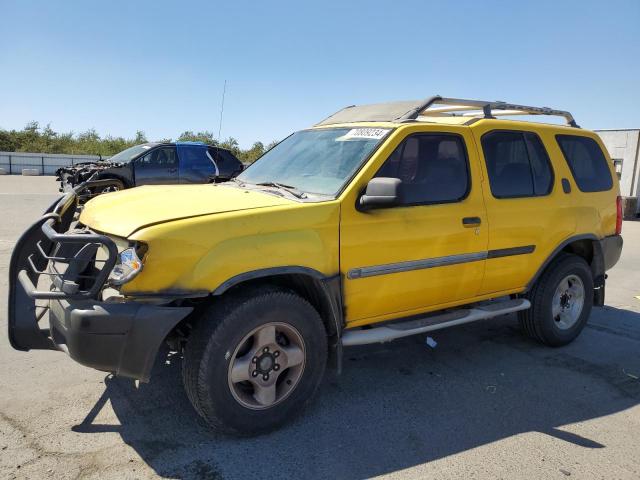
224,90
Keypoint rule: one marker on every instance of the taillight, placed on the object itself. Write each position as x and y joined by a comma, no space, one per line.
618,215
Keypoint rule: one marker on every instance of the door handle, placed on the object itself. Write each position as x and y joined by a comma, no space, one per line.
470,222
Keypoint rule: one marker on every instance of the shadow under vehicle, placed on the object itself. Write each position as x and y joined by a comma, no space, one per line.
484,383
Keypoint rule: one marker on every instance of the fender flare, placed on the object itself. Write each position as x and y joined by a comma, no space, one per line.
597,264
266,272
330,287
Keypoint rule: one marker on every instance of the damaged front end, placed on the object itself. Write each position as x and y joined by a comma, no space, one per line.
60,296
88,173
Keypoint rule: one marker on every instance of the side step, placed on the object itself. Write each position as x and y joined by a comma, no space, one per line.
435,322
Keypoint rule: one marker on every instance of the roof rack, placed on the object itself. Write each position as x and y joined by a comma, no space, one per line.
409,111
471,108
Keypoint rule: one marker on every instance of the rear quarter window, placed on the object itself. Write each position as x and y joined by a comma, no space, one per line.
587,163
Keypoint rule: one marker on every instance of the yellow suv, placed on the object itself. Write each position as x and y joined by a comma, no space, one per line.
381,221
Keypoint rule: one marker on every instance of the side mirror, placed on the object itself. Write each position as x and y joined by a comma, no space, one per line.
381,192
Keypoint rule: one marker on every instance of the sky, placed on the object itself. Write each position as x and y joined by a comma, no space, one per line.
159,66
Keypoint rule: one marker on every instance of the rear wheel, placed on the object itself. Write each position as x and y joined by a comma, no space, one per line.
254,360
561,302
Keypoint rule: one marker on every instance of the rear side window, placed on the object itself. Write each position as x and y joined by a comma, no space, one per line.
517,163
587,163
226,162
195,157
433,169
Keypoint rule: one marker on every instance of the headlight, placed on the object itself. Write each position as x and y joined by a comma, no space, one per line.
127,266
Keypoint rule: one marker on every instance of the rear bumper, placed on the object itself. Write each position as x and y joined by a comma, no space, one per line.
611,250
607,252
119,337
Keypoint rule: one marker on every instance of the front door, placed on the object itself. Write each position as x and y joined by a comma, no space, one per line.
158,167
430,250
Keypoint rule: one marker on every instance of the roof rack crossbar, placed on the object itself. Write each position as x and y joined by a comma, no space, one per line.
415,112
463,105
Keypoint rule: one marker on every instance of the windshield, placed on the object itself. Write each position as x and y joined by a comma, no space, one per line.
316,161
130,153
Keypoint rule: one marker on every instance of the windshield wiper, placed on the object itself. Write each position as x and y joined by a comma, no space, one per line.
239,182
289,188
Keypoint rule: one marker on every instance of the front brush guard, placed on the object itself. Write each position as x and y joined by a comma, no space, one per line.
40,251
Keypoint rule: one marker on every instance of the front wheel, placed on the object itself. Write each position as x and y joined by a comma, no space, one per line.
254,360
561,302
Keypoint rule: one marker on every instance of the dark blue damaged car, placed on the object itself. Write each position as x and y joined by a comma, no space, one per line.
153,164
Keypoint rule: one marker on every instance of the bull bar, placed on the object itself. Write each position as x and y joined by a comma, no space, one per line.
116,335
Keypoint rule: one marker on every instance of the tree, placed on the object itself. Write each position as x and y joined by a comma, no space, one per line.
255,152
36,139
205,136
8,141
141,137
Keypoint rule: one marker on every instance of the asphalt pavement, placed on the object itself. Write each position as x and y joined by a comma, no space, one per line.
486,402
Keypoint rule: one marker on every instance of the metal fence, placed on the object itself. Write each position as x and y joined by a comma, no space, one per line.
12,163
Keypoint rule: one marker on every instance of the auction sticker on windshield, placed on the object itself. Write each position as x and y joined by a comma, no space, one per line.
364,133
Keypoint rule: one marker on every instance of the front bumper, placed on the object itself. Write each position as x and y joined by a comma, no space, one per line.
116,336
119,337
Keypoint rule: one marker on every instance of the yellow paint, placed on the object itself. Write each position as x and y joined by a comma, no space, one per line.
201,236
200,253
543,221
410,233
121,213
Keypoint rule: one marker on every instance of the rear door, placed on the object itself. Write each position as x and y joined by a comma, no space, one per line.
158,167
196,163
429,250
529,213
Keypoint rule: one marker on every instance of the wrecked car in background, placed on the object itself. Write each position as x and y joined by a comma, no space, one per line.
152,164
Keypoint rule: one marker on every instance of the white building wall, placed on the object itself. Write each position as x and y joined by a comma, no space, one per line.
624,145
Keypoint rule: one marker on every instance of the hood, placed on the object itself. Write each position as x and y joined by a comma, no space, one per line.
122,213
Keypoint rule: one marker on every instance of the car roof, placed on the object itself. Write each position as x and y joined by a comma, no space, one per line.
436,109
175,144
455,121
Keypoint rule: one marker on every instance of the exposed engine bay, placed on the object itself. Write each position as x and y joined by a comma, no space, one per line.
72,176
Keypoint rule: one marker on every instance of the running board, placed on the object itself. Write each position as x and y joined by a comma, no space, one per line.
431,323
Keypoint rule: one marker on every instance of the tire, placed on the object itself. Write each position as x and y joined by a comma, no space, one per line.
539,322
227,336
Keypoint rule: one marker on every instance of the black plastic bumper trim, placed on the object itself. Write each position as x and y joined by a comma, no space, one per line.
611,250
122,338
